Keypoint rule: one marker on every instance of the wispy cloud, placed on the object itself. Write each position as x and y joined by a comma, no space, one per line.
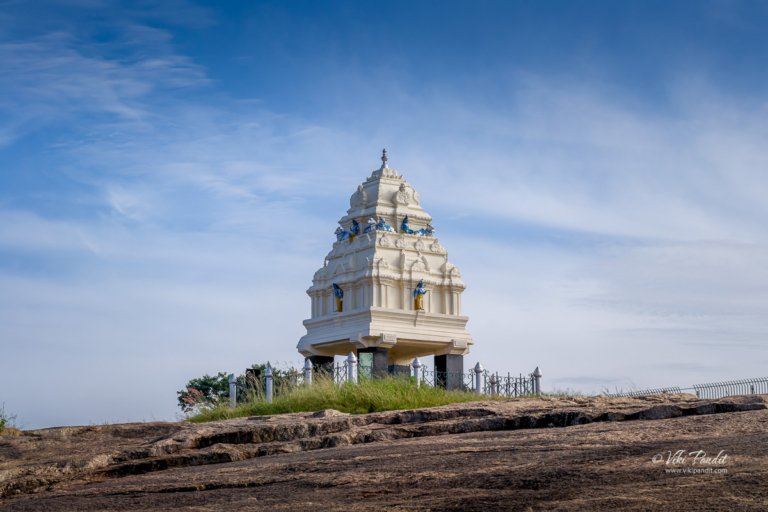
594,163
62,76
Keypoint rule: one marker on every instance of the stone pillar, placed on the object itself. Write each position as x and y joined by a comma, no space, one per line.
417,371
478,378
232,390
351,368
308,372
268,384
376,363
450,371
536,381
324,365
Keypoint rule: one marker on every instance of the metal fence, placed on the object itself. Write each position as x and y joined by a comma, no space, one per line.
435,378
756,386
509,385
477,380
490,383
709,390
652,391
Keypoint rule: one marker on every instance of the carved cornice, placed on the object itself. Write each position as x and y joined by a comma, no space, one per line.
401,315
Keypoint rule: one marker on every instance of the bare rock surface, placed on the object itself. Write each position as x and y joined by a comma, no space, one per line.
610,454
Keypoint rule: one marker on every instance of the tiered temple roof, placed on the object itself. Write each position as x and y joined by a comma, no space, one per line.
386,248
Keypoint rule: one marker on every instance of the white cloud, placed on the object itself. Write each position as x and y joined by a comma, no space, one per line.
587,162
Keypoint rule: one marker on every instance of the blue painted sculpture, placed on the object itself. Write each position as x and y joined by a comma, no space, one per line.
418,295
371,225
341,234
404,228
339,293
381,225
354,230
427,231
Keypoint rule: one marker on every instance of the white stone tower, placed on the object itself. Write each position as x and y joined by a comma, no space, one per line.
396,296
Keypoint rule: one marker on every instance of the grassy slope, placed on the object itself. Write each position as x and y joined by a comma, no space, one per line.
367,396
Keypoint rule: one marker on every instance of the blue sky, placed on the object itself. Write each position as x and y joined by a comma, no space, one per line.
171,175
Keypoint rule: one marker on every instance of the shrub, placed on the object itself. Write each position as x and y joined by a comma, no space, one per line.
7,421
211,391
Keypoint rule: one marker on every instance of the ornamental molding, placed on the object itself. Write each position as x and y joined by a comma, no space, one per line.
420,265
437,248
404,315
387,277
402,196
359,199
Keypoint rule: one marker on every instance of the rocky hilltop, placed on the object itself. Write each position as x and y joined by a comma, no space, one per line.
594,453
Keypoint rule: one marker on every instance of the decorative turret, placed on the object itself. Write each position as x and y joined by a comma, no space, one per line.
401,295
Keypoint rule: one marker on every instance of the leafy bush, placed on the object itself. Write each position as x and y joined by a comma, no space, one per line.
202,392
211,391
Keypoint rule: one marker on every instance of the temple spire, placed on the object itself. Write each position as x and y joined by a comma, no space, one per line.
385,171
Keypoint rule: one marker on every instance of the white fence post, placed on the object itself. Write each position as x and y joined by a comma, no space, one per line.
268,379
493,381
352,368
536,381
417,371
232,390
478,374
307,372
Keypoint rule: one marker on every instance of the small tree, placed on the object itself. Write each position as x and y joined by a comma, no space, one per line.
210,391
6,420
204,392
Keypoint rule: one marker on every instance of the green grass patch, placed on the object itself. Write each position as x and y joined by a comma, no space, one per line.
370,395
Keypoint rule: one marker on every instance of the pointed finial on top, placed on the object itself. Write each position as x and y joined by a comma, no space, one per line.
384,158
